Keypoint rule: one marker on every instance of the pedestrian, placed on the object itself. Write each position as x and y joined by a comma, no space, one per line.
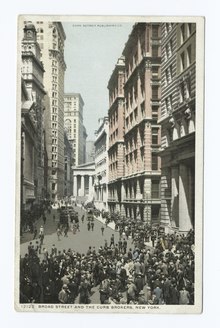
92,225
64,295
82,218
141,298
184,296
66,231
41,231
54,250
112,240
44,218
41,239
153,238
35,232
158,295
54,217
125,243
120,245
84,291
88,226
59,233
131,291
102,229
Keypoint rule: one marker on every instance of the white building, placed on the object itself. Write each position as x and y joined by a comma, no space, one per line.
83,180
101,165
73,123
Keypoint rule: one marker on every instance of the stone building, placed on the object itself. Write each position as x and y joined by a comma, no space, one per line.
68,176
76,132
28,150
51,37
32,72
83,180
90,151
178,125
101,165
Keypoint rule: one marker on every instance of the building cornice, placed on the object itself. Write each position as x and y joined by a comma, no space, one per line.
30,54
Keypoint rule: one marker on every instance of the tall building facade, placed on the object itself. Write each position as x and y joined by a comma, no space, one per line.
101,165
76,132
90,151
32,72
28,150
51,37
68,178
178,125
116,136
142,93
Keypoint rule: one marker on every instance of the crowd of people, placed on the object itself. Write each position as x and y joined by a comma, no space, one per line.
160,273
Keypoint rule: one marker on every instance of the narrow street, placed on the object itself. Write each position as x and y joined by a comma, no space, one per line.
79,242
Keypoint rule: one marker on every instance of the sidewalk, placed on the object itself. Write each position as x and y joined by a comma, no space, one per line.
110,225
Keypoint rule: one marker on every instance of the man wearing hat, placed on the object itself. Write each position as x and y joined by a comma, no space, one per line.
139,282
141,298
131,291
64,295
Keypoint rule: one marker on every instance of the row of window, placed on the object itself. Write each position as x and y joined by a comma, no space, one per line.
168,28
114,135
186,58
113,119
133,157
184,94
186,31
155,190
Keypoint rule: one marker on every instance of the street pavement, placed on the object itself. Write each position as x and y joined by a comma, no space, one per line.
79,242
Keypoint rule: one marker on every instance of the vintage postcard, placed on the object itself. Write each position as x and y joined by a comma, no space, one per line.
109,209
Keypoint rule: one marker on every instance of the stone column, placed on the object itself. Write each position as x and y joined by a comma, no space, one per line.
175,195
138,190
82,185
75,185
166,214
90,184
184,214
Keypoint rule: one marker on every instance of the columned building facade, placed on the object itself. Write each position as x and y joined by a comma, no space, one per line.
116,137
51,37
142,92
73,122
83,180
178,126
101,165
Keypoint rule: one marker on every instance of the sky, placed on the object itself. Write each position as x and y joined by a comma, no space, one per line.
91,53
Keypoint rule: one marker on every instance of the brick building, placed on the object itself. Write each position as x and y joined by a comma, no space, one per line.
136,165
116,136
